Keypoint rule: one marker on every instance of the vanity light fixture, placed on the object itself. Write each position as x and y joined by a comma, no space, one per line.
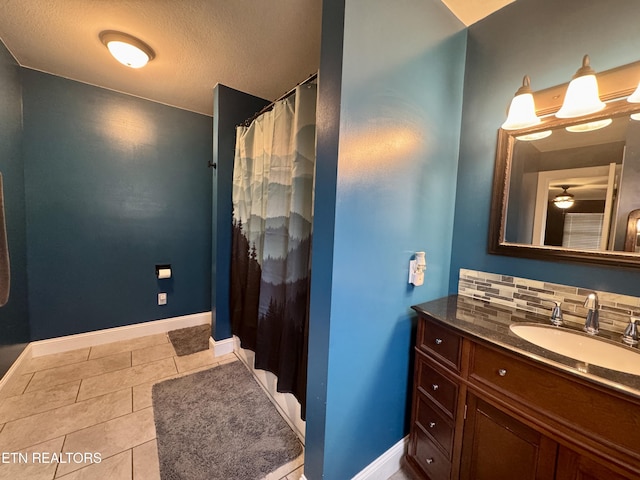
635,98
582,97
522,111
565,199
127,49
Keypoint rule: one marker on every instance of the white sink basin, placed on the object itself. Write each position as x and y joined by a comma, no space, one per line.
581,346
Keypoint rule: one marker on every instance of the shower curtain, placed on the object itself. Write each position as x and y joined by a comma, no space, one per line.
273,181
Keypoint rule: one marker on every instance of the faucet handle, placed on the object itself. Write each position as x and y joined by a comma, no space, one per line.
556,314
630,336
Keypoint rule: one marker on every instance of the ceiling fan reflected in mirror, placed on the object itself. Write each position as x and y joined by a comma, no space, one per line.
564,200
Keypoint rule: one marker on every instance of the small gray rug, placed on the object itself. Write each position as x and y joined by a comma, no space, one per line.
190,340
218,424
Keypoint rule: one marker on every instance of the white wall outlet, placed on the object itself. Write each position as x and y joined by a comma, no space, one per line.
162,299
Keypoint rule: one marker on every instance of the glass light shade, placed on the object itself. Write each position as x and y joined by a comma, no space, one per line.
522,111
126,49
128,55
534,136
635,96
589,126
564,201
582,98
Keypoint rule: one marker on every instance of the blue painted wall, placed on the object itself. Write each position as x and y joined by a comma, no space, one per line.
230,108
545,39
114,185
14,319
397,137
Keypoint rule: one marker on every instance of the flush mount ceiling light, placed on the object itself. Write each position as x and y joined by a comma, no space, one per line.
522,111
127,49
565,199
582,97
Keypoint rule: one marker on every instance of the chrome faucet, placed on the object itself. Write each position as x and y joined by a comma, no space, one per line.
591,324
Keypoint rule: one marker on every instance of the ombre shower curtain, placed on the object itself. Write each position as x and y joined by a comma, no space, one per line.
273,181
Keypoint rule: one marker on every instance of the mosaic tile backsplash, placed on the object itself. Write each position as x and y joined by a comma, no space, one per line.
537,297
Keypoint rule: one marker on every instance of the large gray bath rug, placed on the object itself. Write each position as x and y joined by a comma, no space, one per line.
218,424
190,340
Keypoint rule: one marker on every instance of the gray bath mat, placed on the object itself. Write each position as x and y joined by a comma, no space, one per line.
190,340
218,424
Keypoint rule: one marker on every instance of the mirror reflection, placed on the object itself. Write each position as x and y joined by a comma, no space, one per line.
575,186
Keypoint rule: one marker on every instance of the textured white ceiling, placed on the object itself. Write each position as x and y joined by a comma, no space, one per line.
257,46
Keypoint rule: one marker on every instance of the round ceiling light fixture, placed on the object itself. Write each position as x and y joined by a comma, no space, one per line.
565,199
127,49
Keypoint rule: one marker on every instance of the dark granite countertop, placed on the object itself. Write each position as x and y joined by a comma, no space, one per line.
489,322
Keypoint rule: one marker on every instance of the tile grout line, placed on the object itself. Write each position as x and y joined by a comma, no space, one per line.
82,378
64,441
64,406
47,409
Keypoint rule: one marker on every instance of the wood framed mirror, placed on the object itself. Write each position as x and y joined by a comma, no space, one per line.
596,169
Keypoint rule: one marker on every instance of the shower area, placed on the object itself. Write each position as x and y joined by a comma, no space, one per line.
271,216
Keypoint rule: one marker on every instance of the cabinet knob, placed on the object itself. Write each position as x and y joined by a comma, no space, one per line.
502,372
432,424
438,341
429,461
435,386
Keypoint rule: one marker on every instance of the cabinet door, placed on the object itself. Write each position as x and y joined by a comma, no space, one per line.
573,466
498,447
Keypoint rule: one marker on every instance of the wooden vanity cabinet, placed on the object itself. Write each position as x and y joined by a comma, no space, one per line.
496,446
437,408
482,413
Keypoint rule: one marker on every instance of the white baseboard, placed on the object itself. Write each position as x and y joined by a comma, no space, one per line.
16,366
221,347
386,464
285,403
99,337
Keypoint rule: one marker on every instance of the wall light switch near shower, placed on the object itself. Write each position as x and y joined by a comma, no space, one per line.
162,299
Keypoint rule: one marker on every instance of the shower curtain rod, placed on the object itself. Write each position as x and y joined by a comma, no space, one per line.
248,121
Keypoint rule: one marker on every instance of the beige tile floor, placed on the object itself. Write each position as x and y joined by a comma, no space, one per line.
94,401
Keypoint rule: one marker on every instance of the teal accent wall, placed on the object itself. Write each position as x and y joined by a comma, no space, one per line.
114,185
388,134
14,318
545,39
230,108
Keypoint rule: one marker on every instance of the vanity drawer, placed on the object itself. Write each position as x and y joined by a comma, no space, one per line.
430,459
581,407
436,425
436,386
442,343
